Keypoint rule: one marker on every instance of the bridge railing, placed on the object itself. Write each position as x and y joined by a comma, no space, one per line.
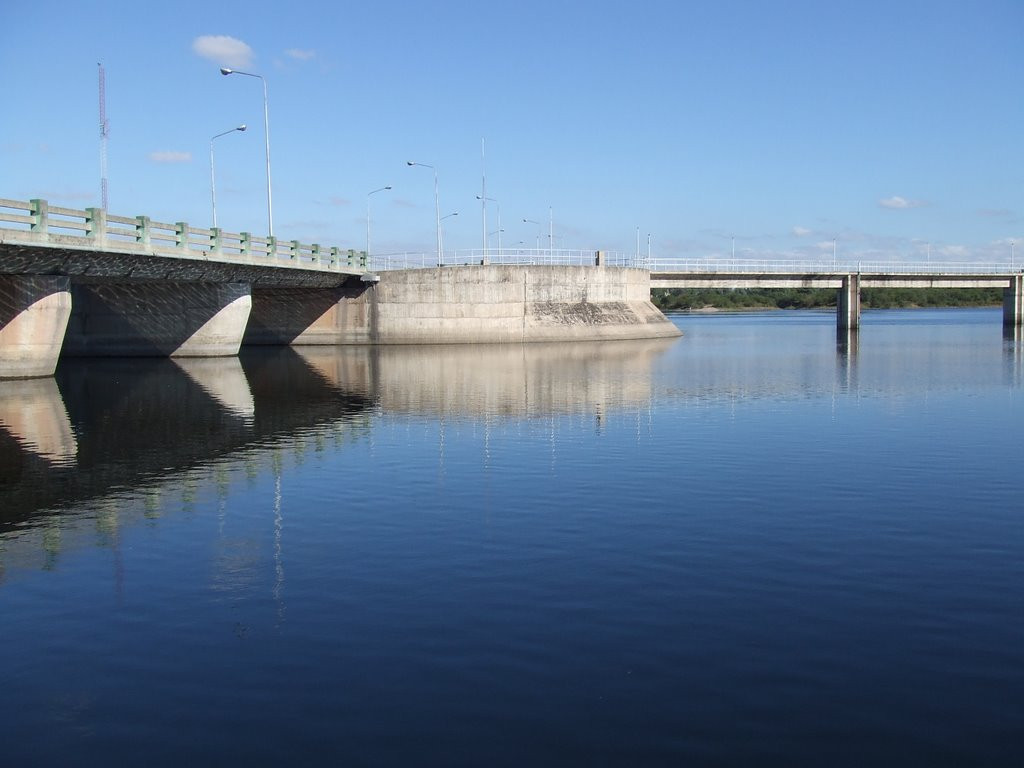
827,266
38,222
505,256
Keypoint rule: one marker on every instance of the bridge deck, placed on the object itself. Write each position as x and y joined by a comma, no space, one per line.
92,244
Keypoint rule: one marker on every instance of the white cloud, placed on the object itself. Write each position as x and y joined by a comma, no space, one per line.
170,156
300,54
801,231
222,49
898,202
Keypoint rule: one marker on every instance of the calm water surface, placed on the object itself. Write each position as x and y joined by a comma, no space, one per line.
751,545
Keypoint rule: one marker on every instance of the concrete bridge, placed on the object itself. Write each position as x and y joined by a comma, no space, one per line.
847,279
86,283
139,286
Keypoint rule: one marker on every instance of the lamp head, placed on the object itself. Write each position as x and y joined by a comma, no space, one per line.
226,71
241,127
409,162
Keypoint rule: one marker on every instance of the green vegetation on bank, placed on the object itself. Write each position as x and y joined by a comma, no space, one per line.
810,298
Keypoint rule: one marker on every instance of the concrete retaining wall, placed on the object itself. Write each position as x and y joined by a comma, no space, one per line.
497,304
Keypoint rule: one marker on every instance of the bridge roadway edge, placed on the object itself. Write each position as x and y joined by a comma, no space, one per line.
470,304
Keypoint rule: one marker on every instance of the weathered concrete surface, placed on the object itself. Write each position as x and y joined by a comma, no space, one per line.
157,319
34,311
848,304
497,304
284,315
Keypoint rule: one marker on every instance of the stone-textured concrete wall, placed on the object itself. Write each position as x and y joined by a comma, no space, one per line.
157,319
34,311
283,315
494,304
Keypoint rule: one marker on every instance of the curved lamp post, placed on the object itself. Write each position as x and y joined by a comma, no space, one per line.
266,136
381,189
213,177
531,221
437,206
447,216
499,230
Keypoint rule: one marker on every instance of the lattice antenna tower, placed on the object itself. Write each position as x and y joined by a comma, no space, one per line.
104,133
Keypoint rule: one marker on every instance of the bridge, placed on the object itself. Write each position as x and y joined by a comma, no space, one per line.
846,278
87,283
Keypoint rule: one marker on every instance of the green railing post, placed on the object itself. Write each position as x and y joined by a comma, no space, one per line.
334,256
96,224
272,246
142,230
293,250
40,215
316,253
181,235
245,243
215,240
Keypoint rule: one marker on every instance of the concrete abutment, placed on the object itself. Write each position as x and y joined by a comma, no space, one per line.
1013,302
34,312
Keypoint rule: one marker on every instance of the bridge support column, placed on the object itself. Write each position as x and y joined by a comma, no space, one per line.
34,312
1013,302
158,319
848,304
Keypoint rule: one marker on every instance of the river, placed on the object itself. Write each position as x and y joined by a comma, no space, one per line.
750,545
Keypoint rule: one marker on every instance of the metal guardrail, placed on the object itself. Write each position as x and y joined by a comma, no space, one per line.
506,256
827,267
37,223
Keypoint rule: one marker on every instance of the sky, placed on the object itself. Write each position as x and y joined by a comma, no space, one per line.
895,128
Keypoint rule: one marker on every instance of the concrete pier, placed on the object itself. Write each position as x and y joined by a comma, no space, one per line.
34,312
157,319
848,304
1013,302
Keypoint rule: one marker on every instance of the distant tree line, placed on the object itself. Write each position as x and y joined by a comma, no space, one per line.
812,298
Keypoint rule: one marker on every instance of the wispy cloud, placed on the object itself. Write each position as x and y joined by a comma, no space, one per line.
170,157
897,202
995,213
802,231
340,201
300,54
222,49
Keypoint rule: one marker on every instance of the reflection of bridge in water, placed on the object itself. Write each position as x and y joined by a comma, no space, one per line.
104,429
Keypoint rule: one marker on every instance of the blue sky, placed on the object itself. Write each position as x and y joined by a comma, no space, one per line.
887,125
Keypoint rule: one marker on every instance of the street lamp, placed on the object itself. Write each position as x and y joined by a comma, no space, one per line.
368,217
213,177
447,216
266,137
531,221
437,206
499,230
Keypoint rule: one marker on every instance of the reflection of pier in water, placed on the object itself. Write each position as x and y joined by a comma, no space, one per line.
116,425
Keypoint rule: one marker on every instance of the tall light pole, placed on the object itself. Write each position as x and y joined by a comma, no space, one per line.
551,232
446,216
487,234
531,221
1011,255
213,175
835,265
381,189
266,138
437,205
